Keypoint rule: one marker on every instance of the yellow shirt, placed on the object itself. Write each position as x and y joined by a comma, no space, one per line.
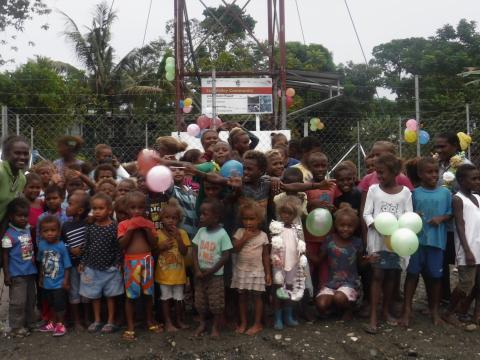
171,263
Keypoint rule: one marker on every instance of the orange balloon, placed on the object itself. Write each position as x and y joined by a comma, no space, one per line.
147,159
388,242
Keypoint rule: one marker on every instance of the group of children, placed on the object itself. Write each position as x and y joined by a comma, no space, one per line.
78,240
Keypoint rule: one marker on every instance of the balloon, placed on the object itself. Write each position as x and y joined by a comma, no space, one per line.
188,102
290,92
411,124
203,121
187,109
404,242
199,136
410,136
386,223
217,122
170,60
231,168
412,221
289,101
423,137
388,242
181,104
319,222
321,126
159,178
465,140
315,121
193,129
170,67
170,76
146,160
313,127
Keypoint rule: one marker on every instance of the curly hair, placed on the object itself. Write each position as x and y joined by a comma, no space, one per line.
290,204
258,157
251,205
174,205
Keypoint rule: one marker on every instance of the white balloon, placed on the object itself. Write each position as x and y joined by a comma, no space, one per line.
412,221
159,178
404,242
386,223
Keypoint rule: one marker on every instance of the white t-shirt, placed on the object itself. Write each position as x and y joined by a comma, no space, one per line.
379,201
471,217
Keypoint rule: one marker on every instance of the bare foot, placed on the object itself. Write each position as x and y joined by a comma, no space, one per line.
404,321
452,320
347,315
200,329
215,333
437,319
255,329
241,328
390,319
182,325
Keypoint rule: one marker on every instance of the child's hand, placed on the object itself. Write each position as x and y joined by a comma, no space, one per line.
469,258
268,279
326,185
76,251
56,178
7,280
198,275
436,220
275,185
66,284
80,268
371,259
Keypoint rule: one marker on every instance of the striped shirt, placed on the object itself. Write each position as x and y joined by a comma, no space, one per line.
73,234
187,199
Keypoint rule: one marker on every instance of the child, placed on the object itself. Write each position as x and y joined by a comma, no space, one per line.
32,190
252,266
384,197
100,263
241,141
287,161
104,171
121,211
19,268
211,250
108,187
288,260
208,139
466,211
124,187
308,145
55,273
291,176
345,178
186,199
173,244
434,205
344,253
54,196
275,164
137,236
369,164
45,169
73,234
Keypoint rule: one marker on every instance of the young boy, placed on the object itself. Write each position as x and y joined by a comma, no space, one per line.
434,204
345,178
54,196
19,268
211,250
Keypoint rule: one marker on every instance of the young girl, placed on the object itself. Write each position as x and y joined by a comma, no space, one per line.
288,260
384,197
55,273
241,141
344,253
466,211
100,263
170,273
252,266
275,165
107,186
19,268
211,250
124,187
32,190
45,169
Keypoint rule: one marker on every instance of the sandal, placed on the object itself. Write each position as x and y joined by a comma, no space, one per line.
108,329
94,327
129,335
20,333
370,329
155,328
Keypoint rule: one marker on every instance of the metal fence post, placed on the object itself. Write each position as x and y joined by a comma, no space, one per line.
4,121
146,135
359,150
400,136
17,123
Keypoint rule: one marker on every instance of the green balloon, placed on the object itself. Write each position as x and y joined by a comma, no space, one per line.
170,60
412,221
319,222
170,76
170,67
404,242
386,223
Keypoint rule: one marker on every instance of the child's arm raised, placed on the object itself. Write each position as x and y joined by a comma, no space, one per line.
460,224
239,242
298,187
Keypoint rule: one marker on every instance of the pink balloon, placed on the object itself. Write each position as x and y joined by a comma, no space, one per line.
411,124
193,129
217,122
159,178
187,109
146,160
203,121
290,92
289,101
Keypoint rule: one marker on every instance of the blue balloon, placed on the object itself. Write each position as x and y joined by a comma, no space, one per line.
232,168
180,104
423,137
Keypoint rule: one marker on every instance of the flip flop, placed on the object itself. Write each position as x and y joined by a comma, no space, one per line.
155,328
129,335
108,329
94,327
370,329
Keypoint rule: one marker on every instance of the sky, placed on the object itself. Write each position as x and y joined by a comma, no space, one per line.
324,22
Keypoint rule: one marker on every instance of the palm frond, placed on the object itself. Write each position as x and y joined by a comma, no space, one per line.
143,90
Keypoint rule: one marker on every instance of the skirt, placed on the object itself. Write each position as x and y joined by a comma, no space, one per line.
247,280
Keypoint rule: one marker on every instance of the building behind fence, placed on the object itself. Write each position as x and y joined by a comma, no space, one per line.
342,139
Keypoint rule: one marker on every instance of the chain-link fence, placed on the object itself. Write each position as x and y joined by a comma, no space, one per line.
342,138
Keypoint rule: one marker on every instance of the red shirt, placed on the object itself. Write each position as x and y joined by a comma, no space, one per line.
372,179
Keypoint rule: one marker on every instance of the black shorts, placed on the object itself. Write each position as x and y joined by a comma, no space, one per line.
56,299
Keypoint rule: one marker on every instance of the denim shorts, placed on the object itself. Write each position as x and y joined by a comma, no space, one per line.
97,283
427,260
387,261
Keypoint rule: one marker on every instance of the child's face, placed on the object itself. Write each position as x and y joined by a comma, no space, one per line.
50,231
280,140
136,207
32,190
142,185
370,165
212,191
75,207
169,218
209,140
471,181
124,188
104,155
251,171
242,143
250,220
46,174
444,149
385,176
105,174
74,184
221,153
287,216
318,165
345,226
100,210
108,189
178,175
429,175
275,166
208,216
20,218
345,180
379,150
53,201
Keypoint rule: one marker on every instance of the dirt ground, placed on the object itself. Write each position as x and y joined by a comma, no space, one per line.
322,339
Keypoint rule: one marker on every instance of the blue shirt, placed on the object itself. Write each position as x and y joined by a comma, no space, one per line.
54,260
21,261
428,204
